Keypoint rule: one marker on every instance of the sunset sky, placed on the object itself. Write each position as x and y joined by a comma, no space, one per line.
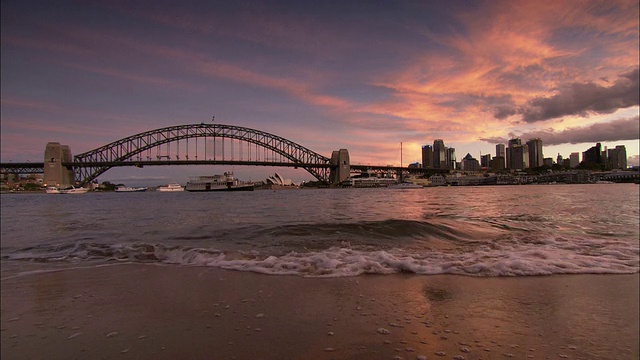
360,75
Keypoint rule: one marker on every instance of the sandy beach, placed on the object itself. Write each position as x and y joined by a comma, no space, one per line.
167,312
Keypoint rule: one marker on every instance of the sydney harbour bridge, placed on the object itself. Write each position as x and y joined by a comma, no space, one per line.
197,144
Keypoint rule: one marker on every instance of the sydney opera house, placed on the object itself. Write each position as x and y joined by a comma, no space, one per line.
277,180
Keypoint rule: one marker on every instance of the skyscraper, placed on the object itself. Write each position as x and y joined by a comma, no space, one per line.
427,156
617,158
517,155
500,153
535,153
439,154
593,155
574,159
451,158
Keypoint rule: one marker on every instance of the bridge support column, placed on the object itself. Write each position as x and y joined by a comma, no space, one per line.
340,166
54,173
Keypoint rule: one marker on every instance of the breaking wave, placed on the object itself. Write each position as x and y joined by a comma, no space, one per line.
514,258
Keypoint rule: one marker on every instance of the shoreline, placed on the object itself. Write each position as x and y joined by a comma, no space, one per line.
141,311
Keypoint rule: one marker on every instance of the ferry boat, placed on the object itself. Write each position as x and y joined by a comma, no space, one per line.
225,182
171,187
130,189
369,182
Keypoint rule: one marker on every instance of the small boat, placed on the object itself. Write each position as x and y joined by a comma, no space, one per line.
171,187
70,190
225,182
130,189
75,190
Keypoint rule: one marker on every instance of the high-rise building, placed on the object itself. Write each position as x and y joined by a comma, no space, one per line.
593,155
439,154
559,159
500,153
451,158
517,155
511,144
535,153
485,160
574,159
427,156
617,158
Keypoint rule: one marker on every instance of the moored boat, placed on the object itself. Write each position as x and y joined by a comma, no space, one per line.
404,185
130,189
70,190
171,187
225,182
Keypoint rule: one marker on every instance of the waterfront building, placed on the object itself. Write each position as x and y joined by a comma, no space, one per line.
497,163
451,158
536,158
500,153
485,160
427,156
559,159
512,143
617,158
517,155
593,155
548,162
566,163
574,160
437,180
470,164
439,154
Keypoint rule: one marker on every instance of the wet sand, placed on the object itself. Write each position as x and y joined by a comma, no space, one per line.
167,312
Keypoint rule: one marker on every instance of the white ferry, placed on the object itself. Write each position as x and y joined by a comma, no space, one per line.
369,182
171,187
225,182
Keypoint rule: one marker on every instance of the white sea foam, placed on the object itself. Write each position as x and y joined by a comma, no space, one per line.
552,257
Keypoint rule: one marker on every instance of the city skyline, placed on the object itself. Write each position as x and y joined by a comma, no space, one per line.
361,76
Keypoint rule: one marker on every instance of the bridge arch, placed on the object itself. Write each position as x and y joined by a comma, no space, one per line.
89,165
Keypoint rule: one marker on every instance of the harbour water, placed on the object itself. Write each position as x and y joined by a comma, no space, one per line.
477,231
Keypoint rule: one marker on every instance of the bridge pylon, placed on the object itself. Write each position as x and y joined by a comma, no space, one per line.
340,166
55,174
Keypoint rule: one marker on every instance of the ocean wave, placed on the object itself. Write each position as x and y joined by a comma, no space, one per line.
554,256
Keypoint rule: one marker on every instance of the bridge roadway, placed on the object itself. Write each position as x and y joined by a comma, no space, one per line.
38,168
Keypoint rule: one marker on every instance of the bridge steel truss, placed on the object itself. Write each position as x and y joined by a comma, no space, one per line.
126,152
22,168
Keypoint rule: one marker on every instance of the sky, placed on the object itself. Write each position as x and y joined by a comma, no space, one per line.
360,75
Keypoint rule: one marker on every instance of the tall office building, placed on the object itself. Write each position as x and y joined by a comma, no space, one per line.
517,155
500,153
427,156
559,159
535,153
574,159
485,160
593,155
451,158
617,158
439,154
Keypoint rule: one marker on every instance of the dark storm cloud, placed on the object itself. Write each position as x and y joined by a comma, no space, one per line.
617,130
579,99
